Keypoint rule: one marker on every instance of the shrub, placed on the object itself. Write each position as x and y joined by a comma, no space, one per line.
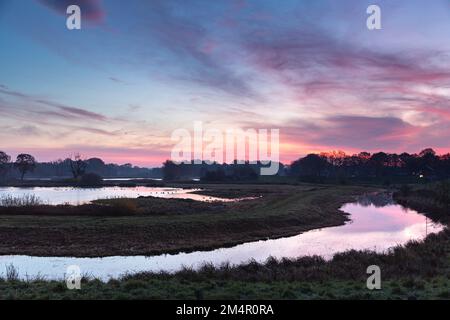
125,206
91,180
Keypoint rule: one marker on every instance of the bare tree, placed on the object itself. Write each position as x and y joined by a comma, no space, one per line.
77,165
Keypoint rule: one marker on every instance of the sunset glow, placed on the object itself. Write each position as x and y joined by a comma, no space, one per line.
134,73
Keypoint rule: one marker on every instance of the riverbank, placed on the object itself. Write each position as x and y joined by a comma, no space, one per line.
434,199
279,211
418,270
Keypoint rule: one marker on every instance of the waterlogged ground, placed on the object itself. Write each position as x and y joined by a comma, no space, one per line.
78,196
376,224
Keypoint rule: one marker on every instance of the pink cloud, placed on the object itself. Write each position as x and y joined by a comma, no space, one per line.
354,133
443,113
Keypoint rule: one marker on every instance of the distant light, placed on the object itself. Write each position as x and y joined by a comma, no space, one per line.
421,176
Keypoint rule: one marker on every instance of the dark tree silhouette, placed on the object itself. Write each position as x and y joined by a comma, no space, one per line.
24,163
77,165
4,163
4,158
215,175
312,165
171,171
427,152
428,162
379,161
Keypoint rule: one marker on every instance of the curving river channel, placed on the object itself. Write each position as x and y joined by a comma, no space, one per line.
377,223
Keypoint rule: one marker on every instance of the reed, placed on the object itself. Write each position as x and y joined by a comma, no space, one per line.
27,200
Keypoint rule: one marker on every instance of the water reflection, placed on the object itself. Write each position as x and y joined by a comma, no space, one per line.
377,199
77,196
377,224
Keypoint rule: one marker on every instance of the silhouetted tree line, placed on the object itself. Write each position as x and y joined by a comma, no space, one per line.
313,167
426,164
24,163
236,171
75,167
323,167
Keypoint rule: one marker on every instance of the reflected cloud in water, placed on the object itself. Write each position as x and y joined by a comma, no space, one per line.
377,224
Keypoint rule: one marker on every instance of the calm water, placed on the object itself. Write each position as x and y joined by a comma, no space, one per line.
76,196
377,224
131,179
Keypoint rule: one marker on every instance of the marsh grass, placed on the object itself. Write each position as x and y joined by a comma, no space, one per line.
419,270
126,206
27,200
428,258
12,273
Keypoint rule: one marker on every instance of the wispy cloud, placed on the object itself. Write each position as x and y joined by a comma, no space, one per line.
56,109
313,61
201,53
68,112
51,115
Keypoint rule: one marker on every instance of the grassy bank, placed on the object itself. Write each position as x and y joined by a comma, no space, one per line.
433,199
153,226
120,207
415,271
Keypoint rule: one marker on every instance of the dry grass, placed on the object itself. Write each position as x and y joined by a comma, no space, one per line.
151,226
27,200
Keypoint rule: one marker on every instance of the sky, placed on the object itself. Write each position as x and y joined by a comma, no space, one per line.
138,70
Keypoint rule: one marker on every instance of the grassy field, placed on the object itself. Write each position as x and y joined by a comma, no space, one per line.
419,270
431,288
152,226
